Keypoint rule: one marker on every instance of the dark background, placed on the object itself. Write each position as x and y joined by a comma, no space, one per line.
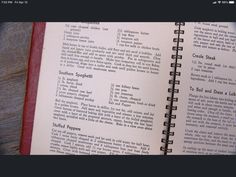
118,10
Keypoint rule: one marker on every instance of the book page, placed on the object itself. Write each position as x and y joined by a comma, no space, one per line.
102,88
206,110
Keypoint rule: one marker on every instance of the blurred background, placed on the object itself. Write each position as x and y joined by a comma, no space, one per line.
14,51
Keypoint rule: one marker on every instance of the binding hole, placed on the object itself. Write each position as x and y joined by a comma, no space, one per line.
165,141
165,150
170,90
177,82
170,142
171,107
172,99
175,65
164,132
178,57
172,73
178,40
170,116
178,31
169,124
180,23
180,48
177,48
174,107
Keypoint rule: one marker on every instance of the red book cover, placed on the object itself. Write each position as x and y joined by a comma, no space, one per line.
31,86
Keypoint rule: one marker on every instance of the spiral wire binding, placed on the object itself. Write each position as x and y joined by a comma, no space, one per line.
170,107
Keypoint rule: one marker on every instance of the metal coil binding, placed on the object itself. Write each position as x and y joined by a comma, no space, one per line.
171,107
175,65
172,99
179,32
171,116
166,150
178,40
176,56
177,82
169,124
172,73
172,90
177,48
164,132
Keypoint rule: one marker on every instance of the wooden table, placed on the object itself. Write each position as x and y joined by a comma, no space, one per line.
14,51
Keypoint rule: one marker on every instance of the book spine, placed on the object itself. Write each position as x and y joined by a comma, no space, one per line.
31,86
172,99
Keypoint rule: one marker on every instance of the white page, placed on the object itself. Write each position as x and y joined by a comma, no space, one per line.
205,122
76,130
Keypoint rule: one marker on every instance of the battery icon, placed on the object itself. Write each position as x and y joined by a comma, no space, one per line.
231,2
